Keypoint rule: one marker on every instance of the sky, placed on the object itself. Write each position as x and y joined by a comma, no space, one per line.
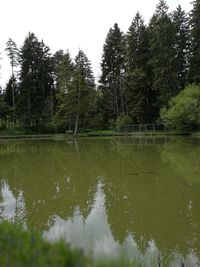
70,24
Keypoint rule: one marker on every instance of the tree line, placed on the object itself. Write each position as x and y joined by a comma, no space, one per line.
141,73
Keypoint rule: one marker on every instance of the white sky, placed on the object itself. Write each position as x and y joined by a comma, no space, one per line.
70,24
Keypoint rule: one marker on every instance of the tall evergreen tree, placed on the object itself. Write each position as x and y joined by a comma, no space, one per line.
36,82
64,77
13,54
4,108
194,72
8,92
112,78
162,38
57,58
80,98
181,45
138,73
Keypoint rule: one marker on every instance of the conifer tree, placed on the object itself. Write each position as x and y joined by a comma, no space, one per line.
80,98
36,82
13,54
64,77
112,77
8,92
181,45
162,39
138,73
4,108
194,72
57,58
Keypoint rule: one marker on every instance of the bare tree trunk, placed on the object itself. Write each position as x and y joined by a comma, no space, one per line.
113,87
13,89
13,93
117,108
29,109
77,113
116,101
76,124
70,121
121,96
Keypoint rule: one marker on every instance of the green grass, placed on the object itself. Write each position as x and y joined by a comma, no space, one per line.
17,131
115,133
90,133
21,247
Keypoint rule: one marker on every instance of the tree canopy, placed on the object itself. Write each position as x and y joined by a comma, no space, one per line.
183,114
142,73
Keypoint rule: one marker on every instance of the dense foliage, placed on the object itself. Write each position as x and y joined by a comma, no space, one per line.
140,94
183,113
112,86
141,71
22,248
27,248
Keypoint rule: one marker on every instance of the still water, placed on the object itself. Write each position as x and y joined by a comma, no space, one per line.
136,197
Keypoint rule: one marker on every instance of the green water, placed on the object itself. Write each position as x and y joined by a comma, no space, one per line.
139,197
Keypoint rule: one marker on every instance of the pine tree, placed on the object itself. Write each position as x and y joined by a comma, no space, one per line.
4,108
138,73
162,39
181,45
13,54
57,58
194,72
80,98
36,89
112,77
8,92
64,76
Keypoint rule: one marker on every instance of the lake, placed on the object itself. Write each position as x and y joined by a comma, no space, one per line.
136,197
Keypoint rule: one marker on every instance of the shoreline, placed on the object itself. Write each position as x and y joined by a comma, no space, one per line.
91,134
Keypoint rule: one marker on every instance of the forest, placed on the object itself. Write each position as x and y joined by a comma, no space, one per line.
150,74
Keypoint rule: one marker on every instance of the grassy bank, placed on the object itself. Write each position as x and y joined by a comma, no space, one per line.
27,248
115,133
22,248
99,133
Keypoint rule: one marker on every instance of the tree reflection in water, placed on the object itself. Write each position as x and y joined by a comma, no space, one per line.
139,198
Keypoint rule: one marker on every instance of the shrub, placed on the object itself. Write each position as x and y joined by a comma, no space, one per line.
183,113
22,247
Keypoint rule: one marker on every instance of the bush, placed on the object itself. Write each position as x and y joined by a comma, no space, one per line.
19,247
22,248
183,114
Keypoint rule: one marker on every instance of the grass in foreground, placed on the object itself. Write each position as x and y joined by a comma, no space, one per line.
19,247
27,248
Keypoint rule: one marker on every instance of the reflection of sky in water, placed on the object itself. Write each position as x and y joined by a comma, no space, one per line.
10,207
93,233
